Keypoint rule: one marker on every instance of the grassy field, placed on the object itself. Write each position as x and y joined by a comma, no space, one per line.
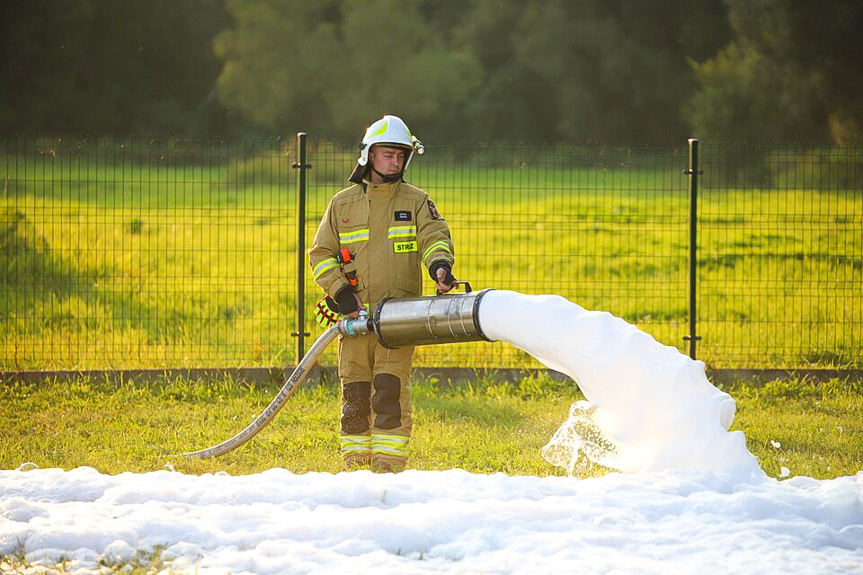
113,263
813,430
793,427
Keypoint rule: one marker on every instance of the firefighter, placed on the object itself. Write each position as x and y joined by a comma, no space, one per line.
374,241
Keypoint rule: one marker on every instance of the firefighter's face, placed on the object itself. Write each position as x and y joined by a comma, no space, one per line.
387,160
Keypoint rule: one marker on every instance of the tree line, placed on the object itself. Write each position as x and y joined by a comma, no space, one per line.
549,71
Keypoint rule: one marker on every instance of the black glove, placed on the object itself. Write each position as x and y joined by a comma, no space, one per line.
347,302
448,279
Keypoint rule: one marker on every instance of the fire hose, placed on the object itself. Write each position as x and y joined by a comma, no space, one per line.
449,318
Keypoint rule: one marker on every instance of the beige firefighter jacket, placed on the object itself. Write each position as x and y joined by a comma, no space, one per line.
389,229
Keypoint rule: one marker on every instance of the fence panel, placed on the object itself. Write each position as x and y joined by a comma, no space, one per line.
142,253
781,256
605,227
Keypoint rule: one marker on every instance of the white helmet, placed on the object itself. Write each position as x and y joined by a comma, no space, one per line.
388,130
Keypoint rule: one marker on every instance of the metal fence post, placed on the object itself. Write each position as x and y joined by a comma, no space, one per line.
301,166
693,172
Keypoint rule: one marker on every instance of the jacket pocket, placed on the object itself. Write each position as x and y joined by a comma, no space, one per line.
405,273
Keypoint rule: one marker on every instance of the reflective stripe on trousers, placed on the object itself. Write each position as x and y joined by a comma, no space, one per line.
392,445
355,443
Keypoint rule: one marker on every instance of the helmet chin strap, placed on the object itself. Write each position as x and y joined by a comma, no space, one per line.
389,178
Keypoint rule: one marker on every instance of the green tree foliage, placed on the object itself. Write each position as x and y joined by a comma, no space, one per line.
605,82
399,62
38,50
617,71
511,102
792,73
470,70
109,66
746,97
292,64
604,71
550,70
277,61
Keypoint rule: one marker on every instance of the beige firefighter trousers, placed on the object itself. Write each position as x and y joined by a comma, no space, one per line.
376,398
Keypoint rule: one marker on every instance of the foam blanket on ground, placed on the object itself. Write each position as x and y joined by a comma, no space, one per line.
433,522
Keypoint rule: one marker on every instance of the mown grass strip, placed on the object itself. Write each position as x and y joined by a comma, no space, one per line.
799,426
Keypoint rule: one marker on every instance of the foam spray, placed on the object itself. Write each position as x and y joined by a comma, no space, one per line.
649,407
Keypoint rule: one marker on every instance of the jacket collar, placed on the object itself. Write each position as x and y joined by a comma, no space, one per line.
385,188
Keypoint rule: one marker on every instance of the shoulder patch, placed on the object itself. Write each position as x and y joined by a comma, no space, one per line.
433,210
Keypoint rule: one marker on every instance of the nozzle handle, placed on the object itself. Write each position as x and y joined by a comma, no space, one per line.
466,284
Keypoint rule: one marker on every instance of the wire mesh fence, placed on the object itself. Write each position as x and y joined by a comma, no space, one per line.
781,256
143,253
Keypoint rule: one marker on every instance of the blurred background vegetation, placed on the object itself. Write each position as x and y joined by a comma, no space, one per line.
550,71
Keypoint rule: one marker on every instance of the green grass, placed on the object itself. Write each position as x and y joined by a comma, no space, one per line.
142,427
487,427
807,428
811,428
121,265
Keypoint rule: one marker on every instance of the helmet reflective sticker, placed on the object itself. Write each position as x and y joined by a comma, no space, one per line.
389,130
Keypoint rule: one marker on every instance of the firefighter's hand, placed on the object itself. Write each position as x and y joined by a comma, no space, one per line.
360,306
444,280
349,302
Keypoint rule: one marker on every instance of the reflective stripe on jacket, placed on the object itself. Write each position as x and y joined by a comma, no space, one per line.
392,231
